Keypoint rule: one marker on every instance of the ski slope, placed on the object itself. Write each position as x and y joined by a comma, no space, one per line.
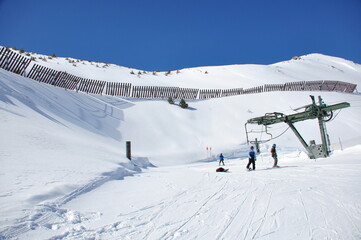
64,174
300,200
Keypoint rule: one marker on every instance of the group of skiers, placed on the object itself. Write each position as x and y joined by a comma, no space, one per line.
252,158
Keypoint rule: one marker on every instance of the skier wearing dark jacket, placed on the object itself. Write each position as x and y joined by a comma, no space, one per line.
274,155
251,159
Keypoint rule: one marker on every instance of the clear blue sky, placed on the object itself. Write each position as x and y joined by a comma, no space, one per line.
174,34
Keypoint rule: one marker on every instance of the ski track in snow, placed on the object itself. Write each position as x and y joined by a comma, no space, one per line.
211,203
210,213
173,232
305,214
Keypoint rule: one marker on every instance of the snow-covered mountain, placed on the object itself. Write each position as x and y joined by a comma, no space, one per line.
305,68
60,152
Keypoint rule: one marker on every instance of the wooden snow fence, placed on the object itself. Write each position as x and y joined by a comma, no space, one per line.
12,61
44,74
294,86
349,87
118,89
65,80
187,93
330,86
338,86
157,92
273,87
322,85
210,93
253,90
91,86
232,92
53,77
313,85
150,92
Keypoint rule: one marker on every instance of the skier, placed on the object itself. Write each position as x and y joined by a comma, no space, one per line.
221,159
274,155
251,159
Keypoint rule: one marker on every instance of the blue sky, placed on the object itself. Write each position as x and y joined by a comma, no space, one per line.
173,34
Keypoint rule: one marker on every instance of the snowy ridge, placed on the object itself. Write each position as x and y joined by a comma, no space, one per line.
14,62
312,67
63,153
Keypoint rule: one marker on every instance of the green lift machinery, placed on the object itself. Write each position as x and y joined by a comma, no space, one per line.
321,111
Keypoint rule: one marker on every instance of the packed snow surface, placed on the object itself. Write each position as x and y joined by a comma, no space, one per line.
64,174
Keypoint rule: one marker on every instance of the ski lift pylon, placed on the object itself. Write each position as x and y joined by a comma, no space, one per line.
320,111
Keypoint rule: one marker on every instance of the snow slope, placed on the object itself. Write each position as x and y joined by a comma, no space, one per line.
61,154
300,200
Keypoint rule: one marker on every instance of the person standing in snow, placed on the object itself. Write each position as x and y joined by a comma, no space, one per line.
221,159
274,155
251,159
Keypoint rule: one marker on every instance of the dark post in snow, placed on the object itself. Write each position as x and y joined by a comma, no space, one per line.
257,146
129,151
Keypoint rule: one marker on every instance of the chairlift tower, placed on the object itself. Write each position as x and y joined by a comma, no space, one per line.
321,111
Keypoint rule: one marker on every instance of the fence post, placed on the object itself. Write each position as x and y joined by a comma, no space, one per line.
129,150
7,62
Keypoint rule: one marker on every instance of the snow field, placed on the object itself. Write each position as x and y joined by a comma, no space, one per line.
301,200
